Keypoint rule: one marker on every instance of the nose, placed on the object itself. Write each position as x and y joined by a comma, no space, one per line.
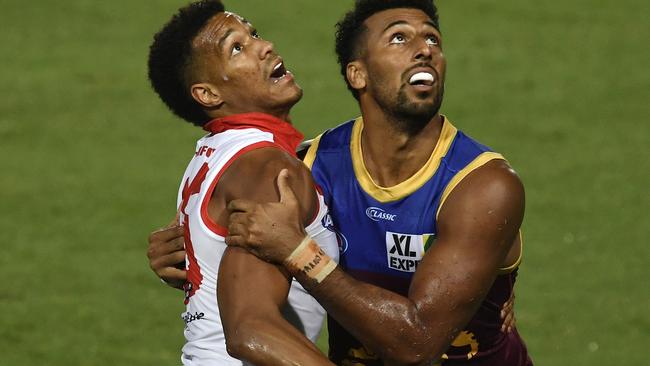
266,48
423,51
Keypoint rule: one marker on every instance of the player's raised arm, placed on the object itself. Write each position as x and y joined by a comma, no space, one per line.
252,292
477,226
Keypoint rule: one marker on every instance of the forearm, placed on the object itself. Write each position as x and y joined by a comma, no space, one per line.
385,322
272,341
250,294
421,328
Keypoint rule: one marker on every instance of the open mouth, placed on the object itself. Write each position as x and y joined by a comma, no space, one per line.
422,79
279,72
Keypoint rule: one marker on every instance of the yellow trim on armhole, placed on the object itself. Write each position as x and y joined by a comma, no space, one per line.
311,152
480,160
413,183
512,267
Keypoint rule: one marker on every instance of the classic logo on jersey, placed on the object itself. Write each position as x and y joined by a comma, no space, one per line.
328,224
404,251
376,214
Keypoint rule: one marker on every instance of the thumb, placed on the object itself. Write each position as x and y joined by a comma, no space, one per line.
176,220
286,193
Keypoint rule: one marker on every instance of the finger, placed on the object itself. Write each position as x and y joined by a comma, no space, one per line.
237,229
171,274
235,241
166,234
241,205
176,244
506,309
508,320
168,261
159,249
237,218
512,320
177,259
176,219
506,323
510,324
286,193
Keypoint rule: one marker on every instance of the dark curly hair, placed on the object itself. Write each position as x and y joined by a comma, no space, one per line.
171,53
350,29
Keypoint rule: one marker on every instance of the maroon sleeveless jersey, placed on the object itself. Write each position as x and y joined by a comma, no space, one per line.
384,232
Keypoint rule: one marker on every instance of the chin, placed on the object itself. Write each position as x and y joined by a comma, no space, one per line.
415,113
418,108
296,95
285,101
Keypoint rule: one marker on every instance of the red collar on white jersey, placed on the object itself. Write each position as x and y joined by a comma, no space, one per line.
284,134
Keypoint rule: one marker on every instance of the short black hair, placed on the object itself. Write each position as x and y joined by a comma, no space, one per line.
170,54
350,29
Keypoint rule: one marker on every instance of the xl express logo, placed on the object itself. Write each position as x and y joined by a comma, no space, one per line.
376,214
405,251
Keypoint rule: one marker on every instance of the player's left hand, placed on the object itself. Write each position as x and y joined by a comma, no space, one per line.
508,315
271,231
166,253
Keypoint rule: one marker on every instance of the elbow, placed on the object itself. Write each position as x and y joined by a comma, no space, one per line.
242,342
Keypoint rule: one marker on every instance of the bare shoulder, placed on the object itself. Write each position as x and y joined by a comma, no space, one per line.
498,180
490,201
494,182
253,176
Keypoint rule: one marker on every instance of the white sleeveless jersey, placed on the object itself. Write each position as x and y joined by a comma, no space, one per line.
205,244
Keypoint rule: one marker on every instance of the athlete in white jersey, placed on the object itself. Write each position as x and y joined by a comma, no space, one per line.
212,69
205,242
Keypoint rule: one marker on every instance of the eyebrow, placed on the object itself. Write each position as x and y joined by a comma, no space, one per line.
223,39
401,22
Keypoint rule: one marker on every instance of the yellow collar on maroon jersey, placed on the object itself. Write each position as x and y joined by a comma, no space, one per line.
413,183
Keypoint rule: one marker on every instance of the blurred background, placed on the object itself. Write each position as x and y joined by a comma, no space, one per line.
91,161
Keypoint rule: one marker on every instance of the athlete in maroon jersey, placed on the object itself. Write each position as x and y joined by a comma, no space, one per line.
390,52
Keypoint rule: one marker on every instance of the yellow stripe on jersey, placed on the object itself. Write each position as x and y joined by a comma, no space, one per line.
428,240
477,163
401,190
512,267
480,160
311,152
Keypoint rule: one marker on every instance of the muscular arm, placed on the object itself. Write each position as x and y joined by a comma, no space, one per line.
251,292
476,228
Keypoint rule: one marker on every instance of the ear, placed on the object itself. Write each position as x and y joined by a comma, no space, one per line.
357,75
206,94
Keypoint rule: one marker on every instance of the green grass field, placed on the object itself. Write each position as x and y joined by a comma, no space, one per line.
91,161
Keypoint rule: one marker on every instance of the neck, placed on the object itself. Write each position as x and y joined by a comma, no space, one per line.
391,153
281,113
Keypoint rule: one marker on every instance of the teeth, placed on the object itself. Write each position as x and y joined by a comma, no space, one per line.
421,76
277,66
